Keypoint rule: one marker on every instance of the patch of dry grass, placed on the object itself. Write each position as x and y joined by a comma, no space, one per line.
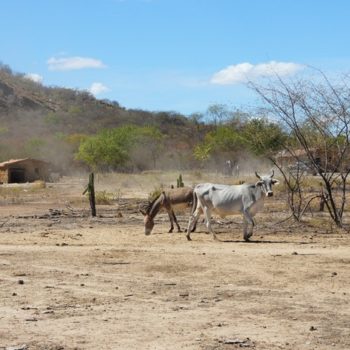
20,193
103,197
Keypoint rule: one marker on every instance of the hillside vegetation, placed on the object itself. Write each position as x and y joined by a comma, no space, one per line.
50,122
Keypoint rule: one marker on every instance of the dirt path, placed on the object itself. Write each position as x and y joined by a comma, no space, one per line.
72,282
102,284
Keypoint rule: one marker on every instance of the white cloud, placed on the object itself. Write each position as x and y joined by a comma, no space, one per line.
98,88
35,77
243,72
73,63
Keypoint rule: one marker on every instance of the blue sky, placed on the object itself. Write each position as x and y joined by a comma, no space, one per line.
173,55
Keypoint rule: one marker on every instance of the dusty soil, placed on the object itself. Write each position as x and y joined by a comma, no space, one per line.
69,281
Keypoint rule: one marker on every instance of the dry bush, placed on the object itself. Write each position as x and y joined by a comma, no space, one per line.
38,185
11,195
103,197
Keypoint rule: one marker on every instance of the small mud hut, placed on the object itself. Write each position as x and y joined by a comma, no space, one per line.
23,170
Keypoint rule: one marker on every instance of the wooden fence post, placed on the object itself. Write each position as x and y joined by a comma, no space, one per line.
91,189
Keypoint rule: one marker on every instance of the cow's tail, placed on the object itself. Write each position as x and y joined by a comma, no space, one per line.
193,209
194,202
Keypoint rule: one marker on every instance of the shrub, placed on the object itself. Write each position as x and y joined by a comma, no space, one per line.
103,197
38,184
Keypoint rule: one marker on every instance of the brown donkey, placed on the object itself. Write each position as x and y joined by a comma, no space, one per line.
174,198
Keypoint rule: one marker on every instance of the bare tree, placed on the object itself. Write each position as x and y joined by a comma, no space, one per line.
317,114
218,113
268,139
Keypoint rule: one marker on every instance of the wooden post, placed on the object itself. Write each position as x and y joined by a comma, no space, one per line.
91,189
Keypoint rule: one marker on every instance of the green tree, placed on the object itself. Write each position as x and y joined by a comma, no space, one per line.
113,148
263,137
202,152
223,140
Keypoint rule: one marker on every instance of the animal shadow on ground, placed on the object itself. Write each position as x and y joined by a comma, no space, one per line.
261,242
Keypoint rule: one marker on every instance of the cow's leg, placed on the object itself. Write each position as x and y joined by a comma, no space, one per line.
194,226
247,220
207,214
192,222
195,219
245,227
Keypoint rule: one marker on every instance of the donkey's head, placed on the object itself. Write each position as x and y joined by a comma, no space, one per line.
148,219
266,182
150,210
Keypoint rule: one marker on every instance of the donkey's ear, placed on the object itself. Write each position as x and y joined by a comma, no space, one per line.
143,208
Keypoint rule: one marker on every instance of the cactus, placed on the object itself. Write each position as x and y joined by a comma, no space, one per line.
179,182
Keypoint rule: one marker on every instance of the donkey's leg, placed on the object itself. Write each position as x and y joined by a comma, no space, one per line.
175,219
171,221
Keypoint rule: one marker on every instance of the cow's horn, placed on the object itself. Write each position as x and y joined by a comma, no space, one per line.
273,173
257,175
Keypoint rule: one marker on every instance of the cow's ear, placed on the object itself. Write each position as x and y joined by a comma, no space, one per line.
259,183
275,182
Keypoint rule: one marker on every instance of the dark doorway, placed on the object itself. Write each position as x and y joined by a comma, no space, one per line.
17,175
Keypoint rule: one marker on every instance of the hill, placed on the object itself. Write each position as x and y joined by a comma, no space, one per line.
47,122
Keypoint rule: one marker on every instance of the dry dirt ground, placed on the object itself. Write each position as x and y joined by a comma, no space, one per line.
68,281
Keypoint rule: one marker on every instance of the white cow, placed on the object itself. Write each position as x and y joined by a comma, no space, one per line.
226,200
